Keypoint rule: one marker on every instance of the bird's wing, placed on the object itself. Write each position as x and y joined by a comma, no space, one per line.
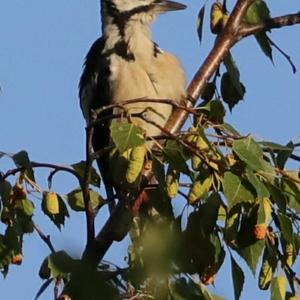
94,93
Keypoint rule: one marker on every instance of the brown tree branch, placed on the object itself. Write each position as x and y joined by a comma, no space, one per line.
123,105
89,211
227,39
232,33
57,168
272,23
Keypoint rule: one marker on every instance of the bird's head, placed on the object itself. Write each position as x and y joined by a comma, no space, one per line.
141,10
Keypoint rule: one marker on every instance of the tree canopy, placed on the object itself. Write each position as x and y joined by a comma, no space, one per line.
241,201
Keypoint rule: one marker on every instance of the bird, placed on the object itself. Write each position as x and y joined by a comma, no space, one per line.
124,64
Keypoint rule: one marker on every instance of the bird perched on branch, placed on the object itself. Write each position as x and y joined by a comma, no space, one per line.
126,64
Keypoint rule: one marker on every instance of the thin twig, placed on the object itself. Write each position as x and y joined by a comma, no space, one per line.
45,238
123,104
89,211
272,23
58,168
285,55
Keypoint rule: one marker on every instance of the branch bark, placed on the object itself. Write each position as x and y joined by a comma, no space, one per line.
272,23
232,33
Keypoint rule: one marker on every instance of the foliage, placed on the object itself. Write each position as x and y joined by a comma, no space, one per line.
243,202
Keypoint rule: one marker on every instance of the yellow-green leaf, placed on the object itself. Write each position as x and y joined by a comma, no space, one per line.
278,288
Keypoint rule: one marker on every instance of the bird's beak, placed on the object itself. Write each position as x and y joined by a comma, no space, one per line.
167,5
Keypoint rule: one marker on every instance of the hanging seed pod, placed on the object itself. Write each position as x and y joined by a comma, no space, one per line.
196,162
17,259
199,189
172,182
19,192
289,254
51,203
202,145
136,163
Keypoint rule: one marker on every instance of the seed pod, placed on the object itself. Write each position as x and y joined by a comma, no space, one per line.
199,189
196,162
260,231
208,279
17,259
216,15
19,192
51,203
202,145
231,160
172,182
136,162
289,254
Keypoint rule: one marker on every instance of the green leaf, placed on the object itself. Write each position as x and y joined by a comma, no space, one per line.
264,211
207,94
43,287
210,209
14,239
230,94
200,23
174,155
276,147
278,288
229,129
232,225
284,154
180,289
252,253
217,111
5,190
159,172
80,169
260,187
126,135
238,278
236,189
258,12
268,267
249,152
6,254
265,45
44,271
21,160
26,206
234,73
60,264
291,190
286,227
76,202
277,196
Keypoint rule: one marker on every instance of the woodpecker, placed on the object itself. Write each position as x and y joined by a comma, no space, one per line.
126,64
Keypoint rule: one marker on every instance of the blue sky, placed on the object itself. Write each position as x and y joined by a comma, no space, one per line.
43,44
